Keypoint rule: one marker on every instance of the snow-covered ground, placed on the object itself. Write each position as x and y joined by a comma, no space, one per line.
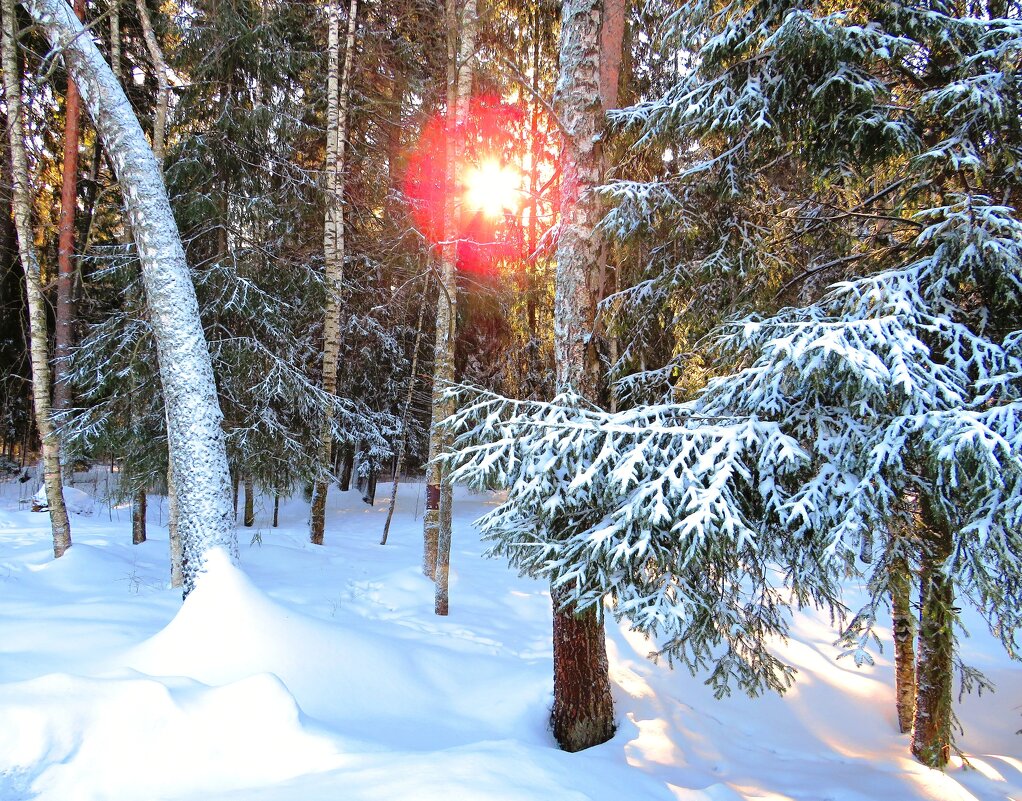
322,673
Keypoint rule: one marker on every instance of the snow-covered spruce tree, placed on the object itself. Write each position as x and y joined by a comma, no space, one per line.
862,128
186,373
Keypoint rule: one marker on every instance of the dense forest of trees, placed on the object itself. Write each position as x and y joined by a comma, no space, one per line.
726,296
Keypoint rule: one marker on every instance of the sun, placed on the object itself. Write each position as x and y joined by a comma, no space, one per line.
492,188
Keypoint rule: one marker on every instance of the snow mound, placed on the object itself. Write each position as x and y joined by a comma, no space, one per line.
76,501
130,738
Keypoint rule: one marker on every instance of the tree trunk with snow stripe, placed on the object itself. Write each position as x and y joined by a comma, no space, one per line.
197,443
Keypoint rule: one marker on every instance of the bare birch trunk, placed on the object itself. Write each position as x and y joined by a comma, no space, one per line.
162,82
333,238
197,443
583,711
64,311
21,203
138,510
904,643
406,414
173,532
444,361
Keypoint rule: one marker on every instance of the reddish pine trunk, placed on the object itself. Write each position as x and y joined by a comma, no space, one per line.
66,242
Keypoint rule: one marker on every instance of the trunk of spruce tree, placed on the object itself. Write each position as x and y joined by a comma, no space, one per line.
583,711
138,508
347,468
447,301
333,238
64,309
931,736
249,502
276,510
197,442
904,642
21,202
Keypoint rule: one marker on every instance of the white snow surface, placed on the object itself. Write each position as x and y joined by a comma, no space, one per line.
76,501
322,673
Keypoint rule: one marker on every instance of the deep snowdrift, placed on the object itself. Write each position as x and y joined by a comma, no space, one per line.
322,673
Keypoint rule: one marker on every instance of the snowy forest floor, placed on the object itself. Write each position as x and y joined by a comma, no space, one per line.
322,673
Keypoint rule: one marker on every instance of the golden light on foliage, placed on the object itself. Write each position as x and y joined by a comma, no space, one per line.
493,188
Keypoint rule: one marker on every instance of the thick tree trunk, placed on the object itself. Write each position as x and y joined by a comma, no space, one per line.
904,643
64,307
138,509
583,712
931,736
249,502
347,468
22,206
333,237
197,443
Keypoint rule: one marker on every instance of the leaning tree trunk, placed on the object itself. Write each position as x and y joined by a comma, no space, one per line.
405,416
197,443
333,240
583,711
64,309
22,206
931,736
447,302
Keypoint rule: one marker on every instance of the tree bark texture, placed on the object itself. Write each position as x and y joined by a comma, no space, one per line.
249,519
162,82
173,532
931,735
338,89
138,509
448,298
904,643
64,308
197,443
21,201
583,711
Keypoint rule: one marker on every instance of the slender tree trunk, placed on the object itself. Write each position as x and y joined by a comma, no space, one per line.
22,205
439,493
197,443
904,643
162,82
931,735
174,534
249,502
333,237
406,415
63,333
583,711
347,468
235,485
276,510
138,509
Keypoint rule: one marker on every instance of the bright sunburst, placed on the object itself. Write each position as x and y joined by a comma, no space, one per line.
492,188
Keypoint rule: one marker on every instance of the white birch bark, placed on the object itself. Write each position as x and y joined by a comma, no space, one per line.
194,418
338,91
583,711
439,493
39,352
162,81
